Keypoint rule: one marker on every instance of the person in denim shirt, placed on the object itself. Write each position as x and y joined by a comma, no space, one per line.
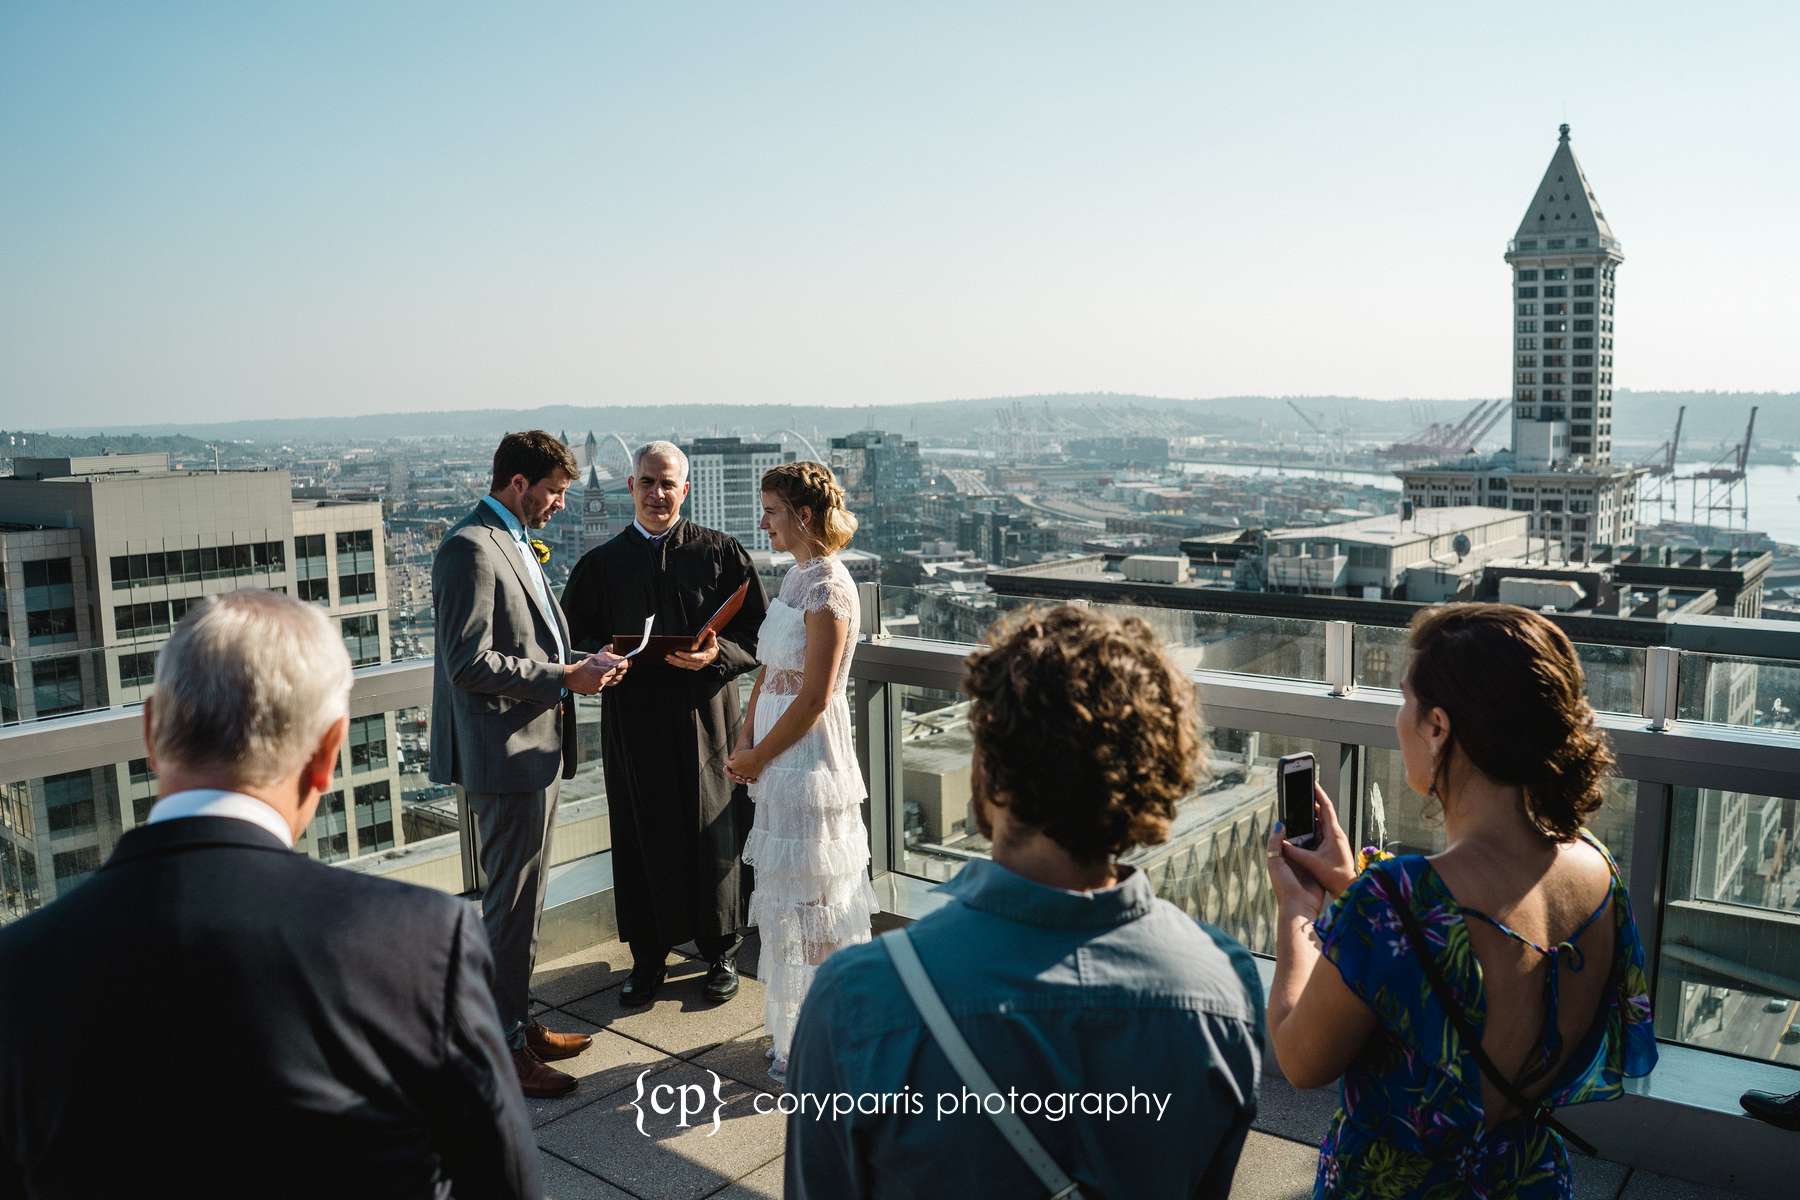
1075,986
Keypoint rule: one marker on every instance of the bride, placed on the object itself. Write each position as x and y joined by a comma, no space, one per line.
808,843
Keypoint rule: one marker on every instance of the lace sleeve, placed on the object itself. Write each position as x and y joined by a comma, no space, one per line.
831,594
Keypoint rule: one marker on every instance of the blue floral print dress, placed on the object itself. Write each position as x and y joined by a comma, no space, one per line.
1410,1121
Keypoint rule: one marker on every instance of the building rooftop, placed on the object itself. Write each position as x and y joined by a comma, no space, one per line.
1393,529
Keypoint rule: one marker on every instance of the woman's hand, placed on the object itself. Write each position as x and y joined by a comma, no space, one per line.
1297,893
1333,864
745,765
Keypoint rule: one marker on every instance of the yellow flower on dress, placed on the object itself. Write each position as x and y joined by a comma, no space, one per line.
542,550
1370,854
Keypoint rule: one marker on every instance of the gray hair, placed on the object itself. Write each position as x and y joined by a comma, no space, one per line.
248,684
664,450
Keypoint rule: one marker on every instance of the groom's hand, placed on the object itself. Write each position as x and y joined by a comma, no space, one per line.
592,673
699,657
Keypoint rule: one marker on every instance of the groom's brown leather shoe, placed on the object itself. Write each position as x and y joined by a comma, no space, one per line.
550,1046
537,1080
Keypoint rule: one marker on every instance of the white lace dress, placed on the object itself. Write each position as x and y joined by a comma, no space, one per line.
808,843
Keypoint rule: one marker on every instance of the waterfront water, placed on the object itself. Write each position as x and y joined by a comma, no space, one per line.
1774,491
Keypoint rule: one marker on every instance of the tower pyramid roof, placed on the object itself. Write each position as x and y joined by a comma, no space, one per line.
1565,202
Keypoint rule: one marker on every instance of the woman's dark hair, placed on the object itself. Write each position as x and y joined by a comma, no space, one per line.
533,454
1516,697
1083,728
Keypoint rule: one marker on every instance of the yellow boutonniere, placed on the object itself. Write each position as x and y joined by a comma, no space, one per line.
542,550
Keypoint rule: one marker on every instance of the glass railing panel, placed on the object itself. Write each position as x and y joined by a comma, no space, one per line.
382,815
1615,674
1398,819
583,823
1735,848
1211,866
1754,692
1275,647
1729,963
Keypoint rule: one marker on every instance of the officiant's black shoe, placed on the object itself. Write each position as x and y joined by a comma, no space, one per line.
722,980
641,987
1780,1111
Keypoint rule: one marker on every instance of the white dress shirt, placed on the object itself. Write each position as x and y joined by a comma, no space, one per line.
212,802
655,537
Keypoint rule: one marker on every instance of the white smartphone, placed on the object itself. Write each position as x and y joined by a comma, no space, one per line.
1295,775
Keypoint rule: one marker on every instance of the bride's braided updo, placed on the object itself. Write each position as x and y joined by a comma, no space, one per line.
812,485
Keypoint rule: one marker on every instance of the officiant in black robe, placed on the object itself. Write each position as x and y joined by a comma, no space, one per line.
678,823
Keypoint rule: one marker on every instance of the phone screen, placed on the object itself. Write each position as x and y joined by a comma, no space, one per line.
1297,799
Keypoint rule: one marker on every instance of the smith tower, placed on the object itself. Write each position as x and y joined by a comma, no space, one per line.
1564,261
1564,258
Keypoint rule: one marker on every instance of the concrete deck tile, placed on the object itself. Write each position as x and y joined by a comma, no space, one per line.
1646,1185
682,1021
610,1064
583,973
565,1182
1273,1168
764,1183
666,1160
743,1059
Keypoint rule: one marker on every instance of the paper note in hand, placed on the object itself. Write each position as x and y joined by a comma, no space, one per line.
648,622
664,644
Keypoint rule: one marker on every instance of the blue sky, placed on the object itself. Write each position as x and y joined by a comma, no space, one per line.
227,209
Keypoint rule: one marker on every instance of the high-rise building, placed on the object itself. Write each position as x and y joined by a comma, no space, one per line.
1564,261
99,558
725,479
882,478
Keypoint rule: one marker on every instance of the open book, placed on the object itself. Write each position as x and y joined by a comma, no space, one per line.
658,645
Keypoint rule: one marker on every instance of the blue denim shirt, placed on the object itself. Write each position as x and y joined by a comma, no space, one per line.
1096,994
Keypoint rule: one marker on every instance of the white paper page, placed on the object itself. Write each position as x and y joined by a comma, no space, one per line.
645,641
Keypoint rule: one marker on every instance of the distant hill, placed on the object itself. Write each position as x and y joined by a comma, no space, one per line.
1712,417
56,445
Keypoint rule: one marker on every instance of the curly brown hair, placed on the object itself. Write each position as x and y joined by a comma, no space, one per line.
1514,691
812,485
1083,729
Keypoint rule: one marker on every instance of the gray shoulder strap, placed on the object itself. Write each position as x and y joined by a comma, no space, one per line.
962,1059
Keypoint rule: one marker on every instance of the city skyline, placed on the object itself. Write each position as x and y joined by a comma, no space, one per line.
216,213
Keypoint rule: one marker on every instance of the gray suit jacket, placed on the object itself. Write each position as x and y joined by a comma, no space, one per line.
499,722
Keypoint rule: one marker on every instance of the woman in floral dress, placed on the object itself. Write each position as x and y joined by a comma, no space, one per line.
808,843
1523,915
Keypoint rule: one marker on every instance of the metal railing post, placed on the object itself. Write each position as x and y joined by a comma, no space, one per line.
1340,670
1662,686
868,595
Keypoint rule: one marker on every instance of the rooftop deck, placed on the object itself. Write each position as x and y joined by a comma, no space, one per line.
590,1146
1702,818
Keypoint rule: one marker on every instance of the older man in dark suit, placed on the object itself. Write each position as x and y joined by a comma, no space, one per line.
503,719
290,1029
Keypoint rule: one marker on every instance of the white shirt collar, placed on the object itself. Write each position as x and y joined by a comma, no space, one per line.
212,802
655,537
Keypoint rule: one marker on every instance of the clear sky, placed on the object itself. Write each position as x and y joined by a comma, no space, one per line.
293,209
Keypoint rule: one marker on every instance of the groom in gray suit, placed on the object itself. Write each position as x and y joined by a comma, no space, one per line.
503,719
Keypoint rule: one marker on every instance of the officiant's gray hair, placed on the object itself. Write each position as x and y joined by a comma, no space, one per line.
249,684
664,450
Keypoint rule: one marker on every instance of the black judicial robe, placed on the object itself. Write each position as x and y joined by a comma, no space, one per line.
678,823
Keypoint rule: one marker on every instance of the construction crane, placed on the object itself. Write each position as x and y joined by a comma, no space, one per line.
1494,416
1723,481
1662,495
1331,440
